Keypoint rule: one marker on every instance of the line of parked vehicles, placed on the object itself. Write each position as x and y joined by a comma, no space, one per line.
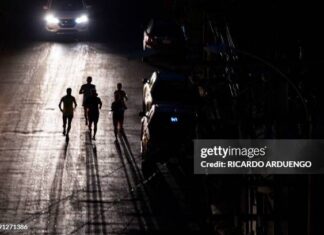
164,37
169,117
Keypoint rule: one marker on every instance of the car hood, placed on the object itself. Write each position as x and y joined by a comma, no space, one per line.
69,14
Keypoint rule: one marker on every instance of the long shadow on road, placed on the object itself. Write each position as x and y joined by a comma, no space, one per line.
161,206
56,192
95,208
131,175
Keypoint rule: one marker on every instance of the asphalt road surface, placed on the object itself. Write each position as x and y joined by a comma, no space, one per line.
83,186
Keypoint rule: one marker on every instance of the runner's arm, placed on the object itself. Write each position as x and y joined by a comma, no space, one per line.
75,103
81,90
60,105
100,103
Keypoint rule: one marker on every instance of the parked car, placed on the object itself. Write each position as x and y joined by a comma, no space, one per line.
164,36
164,87
167,130
66,16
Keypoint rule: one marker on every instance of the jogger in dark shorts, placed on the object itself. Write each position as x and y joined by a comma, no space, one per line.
86,90
93,104
118,109
68,109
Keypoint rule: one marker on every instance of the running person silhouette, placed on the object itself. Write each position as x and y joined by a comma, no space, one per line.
118,109
93,104
121,94
86,91
67,110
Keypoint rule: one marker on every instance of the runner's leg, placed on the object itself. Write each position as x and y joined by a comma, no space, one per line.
115,122
94,130
69,124
90,125
90,121
95,123
121,123
64,123
85,115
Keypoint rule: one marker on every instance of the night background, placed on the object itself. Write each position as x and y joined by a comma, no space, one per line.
255,72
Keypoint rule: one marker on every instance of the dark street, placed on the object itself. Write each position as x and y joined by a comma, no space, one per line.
82,186
48,184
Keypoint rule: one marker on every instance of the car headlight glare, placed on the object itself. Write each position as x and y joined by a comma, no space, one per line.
82,19
51,19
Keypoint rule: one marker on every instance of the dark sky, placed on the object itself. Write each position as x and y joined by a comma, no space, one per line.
281,21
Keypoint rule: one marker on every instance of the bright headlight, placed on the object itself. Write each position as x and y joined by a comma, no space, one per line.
51,19
82,19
